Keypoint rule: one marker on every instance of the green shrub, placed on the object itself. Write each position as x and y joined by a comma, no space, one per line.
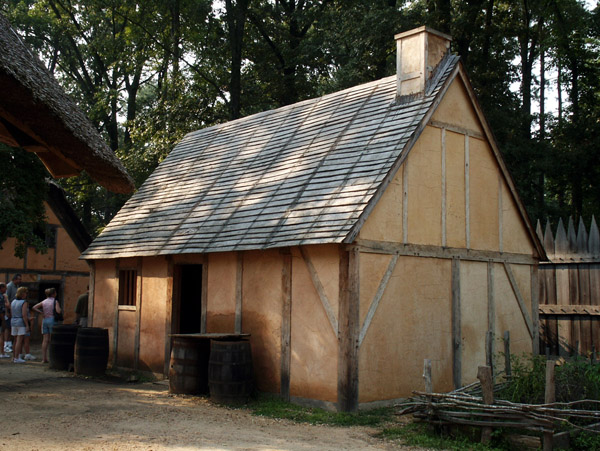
528,382
576,379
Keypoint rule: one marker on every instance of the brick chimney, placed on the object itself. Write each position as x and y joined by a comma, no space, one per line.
419,51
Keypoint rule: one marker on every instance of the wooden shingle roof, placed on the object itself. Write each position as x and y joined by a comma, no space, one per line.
302,174
37,115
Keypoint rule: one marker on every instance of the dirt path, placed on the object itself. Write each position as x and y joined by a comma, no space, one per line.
53,410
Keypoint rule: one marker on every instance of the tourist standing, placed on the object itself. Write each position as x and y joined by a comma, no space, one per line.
13,285
11,292
19,321
48,306
3,320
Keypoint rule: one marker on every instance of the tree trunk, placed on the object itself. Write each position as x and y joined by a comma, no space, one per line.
236,22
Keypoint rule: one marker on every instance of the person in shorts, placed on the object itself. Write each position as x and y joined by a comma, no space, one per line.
19,321
47,308
11,291
4,326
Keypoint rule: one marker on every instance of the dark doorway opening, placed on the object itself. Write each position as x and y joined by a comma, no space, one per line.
187,312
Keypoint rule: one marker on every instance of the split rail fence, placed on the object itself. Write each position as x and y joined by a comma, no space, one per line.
569,296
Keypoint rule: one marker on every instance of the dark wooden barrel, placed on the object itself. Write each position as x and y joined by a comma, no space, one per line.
230,373
62,346
91,351
188,369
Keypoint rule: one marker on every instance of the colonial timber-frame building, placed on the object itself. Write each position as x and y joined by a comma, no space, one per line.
352,235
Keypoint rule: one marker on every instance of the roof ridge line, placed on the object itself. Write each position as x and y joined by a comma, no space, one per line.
284,107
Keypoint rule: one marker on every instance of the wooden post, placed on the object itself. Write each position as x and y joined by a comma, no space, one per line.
286,323
484,374
116,319
239,278
456,325
348,331
138,312
507,366
427,375
550,397
535,312
169,314
91,288
489,356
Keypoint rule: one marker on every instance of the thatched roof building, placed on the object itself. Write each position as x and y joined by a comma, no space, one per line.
37,115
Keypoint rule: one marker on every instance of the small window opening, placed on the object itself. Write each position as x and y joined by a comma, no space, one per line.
47,233
127,286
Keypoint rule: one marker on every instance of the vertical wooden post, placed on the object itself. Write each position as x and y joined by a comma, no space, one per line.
92,287
550,397
444,190
405,202
116,319
491,335
169,313
286,323
456,325
138,312
507,365
467,195
239,277
348,334
535,309
500,213
427,377
484,374
489,356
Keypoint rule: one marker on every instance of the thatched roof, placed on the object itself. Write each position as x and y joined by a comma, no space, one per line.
67,217
37,115
302,174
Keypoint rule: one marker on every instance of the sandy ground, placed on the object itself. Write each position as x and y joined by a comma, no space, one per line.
53,410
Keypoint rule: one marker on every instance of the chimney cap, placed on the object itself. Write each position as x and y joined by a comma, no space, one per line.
423,29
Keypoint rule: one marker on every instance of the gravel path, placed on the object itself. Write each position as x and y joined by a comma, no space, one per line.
54,410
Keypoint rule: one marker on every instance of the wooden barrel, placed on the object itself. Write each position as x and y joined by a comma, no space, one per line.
230,373
188,369
62,346
91,351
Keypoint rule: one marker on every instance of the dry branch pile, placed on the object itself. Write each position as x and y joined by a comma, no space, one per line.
463,408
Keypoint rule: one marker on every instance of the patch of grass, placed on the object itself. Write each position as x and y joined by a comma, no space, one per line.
426,436
272,407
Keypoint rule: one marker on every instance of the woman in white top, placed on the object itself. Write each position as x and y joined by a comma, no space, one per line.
48,307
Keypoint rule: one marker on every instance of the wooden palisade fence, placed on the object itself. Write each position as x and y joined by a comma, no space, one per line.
569,301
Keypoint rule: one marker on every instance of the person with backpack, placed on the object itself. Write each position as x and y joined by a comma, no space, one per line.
48,308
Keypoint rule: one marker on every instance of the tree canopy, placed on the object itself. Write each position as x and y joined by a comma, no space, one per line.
149,72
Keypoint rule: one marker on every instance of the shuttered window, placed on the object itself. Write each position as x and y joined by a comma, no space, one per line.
127,286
